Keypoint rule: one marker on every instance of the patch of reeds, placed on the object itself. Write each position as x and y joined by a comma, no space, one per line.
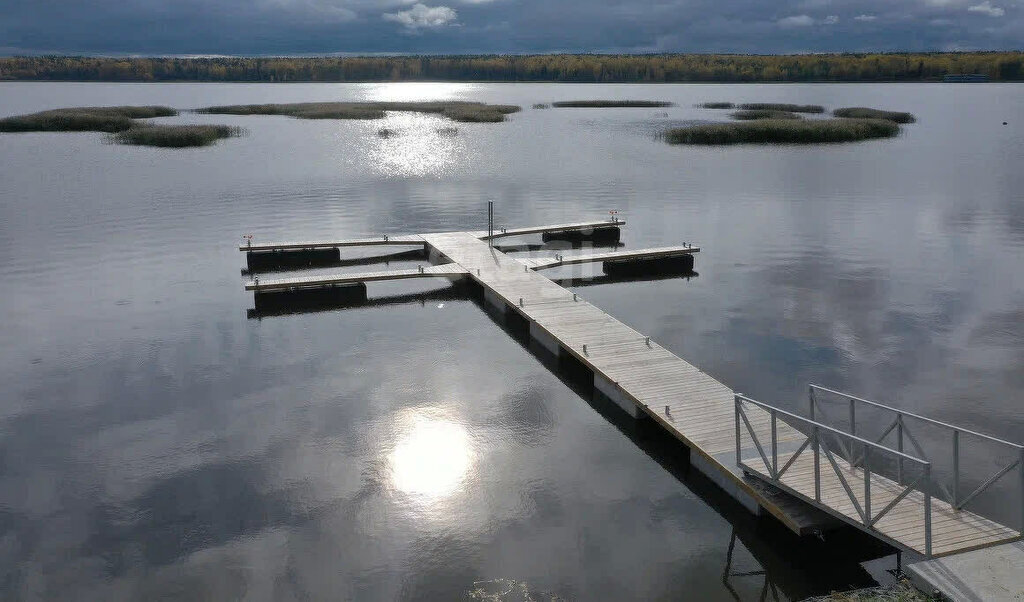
866,113
175,136
82,119
387,132
763,114
341,112
142,112
783,131
777,106
541,105
717,105
610,103
454,110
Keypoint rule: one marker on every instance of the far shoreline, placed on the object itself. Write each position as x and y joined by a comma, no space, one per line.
485,81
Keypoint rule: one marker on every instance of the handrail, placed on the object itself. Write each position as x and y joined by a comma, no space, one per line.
836,431
955,498
819,447
918,416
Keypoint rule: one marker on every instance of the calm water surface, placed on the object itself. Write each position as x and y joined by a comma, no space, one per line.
156,443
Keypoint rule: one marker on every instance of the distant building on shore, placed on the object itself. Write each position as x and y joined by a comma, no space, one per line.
966,77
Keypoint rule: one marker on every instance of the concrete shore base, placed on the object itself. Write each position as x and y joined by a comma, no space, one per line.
995,573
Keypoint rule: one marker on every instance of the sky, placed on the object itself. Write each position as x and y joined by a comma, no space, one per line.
286,27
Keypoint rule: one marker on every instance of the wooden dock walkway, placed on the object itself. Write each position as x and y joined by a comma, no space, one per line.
647,380
414,240
642,377
449,270
401,240
543,263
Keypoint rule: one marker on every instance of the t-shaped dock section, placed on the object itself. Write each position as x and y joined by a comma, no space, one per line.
633,371
643,378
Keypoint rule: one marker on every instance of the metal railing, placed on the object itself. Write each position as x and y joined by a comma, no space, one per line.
903,433
819,439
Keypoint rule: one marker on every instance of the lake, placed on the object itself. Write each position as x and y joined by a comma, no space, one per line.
159,442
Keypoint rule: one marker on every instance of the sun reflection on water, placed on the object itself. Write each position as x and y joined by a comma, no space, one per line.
413,144
414,91
432,457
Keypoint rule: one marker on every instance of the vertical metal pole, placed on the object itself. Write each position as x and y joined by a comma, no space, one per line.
853,429
775,449
490,223
899,448
956,469
928,509
736,402
810,397
817,466
867,486
853,418
1020,469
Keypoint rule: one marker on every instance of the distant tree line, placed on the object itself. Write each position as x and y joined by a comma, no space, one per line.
997,66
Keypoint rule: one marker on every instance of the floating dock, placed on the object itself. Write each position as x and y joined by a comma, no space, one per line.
726,434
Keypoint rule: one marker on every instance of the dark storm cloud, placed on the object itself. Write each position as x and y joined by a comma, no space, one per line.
369,26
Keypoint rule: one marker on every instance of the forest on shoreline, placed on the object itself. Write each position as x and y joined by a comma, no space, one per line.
601,68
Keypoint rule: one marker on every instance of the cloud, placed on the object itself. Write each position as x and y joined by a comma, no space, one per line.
282,27
806,21
986,8
796,21
423,17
